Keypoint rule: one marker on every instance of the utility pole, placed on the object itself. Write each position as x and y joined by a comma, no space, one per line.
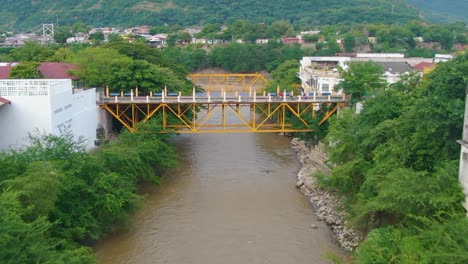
463,172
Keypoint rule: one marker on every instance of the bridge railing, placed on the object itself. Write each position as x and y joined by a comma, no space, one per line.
220,99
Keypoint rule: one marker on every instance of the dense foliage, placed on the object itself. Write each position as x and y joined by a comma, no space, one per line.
442,11
396,164
54,195
23,15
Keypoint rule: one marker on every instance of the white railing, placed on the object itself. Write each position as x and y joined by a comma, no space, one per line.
35,87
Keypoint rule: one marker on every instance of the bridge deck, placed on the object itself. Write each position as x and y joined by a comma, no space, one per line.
206,114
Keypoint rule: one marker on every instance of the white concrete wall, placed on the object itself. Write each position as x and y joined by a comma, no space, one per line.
48,106
29,110
85,116
23,115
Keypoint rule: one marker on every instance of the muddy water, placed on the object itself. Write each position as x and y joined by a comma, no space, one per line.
232,201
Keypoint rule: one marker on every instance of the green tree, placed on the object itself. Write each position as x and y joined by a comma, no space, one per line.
32,51
26,70
310,38
281,29
285,75
62,35
79,27
97,37
349,42
114,37
185,36
160,30
361,78
97,64
172,40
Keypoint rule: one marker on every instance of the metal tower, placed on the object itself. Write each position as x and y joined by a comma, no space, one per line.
47,34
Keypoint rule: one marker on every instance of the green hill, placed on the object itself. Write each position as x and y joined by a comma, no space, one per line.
24,14
443,11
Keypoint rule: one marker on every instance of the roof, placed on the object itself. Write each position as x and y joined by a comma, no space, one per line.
50,70
57,70
5,69
422,65
4,101
395,66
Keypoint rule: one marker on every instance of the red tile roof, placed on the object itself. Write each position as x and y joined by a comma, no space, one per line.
5,69
50,70
421,66
57,70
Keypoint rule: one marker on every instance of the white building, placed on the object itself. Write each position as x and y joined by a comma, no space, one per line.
320,74
47,105
442,58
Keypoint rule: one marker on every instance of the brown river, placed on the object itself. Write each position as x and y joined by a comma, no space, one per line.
232,201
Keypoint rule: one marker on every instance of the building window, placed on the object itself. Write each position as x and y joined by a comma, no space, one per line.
325,87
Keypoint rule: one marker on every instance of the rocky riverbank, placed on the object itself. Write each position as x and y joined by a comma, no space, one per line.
325,204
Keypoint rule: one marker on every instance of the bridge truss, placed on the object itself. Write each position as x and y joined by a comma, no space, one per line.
224,115
229,82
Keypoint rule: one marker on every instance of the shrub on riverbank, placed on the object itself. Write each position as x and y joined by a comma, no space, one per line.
396,163
53,194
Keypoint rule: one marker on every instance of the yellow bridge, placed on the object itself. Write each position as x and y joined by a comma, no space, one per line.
229,82
224,113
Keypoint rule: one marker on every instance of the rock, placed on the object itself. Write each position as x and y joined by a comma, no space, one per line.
325,204
299,184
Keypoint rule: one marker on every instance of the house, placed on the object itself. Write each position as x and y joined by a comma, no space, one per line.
418,39
261,41
371,40
20,39
310,32
49,70
142,30
58,70
78,38
320,74
442,58
199,41
192,31
394,69
424,67
291,40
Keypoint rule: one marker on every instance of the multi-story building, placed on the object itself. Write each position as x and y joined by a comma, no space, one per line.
321,75
47,106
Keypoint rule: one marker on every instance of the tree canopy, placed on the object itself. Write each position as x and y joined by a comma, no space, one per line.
396,164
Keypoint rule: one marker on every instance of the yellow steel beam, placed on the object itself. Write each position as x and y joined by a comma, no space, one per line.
187,119
228,81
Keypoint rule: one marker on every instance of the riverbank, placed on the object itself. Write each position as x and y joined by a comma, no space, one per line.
325,204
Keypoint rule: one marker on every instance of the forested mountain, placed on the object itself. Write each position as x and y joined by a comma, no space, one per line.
442,11
22,15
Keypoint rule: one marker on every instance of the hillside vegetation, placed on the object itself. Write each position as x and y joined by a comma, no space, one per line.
443,11
22,15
